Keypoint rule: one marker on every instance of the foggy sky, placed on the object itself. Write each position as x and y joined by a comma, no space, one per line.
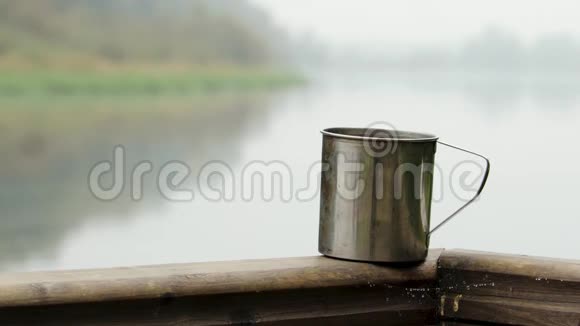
363,22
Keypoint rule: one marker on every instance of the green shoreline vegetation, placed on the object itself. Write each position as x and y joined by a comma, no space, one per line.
62,48
141,82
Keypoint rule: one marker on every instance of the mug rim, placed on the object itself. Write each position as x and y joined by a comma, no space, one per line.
371,134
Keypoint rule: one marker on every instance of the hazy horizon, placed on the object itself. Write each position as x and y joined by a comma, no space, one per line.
413,22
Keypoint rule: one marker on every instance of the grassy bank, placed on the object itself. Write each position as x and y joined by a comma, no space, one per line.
139,81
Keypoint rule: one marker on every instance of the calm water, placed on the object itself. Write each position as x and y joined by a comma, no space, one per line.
50,220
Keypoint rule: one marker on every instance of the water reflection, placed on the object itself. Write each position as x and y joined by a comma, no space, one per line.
490,90
49,219
47,152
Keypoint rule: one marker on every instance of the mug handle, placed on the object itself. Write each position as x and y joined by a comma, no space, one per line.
486,174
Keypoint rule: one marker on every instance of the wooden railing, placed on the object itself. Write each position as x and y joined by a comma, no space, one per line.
507,289
450,287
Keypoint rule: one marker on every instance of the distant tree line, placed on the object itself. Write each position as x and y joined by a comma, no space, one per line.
494,50
138,31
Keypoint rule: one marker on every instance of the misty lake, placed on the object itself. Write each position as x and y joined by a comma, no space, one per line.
50,219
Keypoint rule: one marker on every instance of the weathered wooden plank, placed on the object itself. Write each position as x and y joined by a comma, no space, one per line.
515,265
524,277
311,290
510,286
473,288
509,311
250,276
330,307
509,289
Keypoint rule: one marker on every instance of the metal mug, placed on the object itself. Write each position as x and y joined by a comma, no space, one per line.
376,194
